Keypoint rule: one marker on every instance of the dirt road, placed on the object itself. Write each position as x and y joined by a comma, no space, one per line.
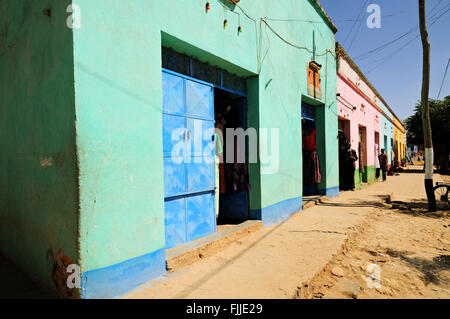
409,249
323,251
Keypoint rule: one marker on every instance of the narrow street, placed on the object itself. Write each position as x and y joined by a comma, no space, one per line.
224,149
323,252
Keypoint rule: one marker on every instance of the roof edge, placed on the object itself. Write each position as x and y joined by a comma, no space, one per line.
327,18
341,52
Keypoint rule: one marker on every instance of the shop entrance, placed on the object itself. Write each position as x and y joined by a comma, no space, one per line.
362,154
392,153
232,177
311,161
188,148
196,98
345,163
377,152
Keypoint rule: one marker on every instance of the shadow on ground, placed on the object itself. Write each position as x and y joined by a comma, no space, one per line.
431,269
356,203
420,209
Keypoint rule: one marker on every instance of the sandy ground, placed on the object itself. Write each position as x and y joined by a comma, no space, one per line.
445,178
411,249
321,252
401,252
296,259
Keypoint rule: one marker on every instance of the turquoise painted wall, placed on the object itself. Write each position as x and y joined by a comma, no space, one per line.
118,92
82,126
387,128
38,167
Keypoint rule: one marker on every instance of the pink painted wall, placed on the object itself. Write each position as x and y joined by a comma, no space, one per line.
365,114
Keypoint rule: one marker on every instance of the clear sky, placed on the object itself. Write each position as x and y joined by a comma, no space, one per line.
395,71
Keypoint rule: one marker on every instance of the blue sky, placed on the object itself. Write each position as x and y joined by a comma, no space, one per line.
396,74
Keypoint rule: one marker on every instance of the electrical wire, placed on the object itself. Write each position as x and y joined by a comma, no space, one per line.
391,55
359,27
292,20
295,45
259,44
435,7
362,19
443,80
354,24
267,51
382,47
405,45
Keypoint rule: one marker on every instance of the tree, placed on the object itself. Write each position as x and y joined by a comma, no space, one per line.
440,125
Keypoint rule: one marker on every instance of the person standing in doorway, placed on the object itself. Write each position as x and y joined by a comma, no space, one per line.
350,165
383,163
377,162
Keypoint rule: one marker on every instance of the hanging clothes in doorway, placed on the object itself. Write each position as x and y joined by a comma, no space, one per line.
311,169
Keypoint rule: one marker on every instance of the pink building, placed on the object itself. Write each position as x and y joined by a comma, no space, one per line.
359,118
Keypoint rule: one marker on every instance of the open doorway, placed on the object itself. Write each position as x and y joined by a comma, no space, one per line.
345,164
392,153
362,154
311,162
232,176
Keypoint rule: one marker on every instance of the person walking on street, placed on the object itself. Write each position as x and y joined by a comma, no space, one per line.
383,163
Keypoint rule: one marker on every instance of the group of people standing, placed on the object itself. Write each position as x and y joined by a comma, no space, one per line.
347,164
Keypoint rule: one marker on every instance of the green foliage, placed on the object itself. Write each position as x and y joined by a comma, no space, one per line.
440,127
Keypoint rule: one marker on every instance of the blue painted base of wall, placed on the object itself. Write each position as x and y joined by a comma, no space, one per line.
113,281
330,192
277,212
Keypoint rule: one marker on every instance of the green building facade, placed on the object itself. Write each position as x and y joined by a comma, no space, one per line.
82,171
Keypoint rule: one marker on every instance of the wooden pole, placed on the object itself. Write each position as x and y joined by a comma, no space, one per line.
426,123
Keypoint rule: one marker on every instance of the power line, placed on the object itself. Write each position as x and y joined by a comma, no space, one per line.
405,45
443,80
362,19
354,24
382,47
292,20
359,27
437,5
391,55
295,45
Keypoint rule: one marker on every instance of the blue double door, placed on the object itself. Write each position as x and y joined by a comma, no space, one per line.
189,163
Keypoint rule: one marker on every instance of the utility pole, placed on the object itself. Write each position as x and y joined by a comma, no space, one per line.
426,123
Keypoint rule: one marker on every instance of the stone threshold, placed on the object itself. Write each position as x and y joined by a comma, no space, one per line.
313,200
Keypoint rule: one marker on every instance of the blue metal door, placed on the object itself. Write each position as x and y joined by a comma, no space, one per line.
189,169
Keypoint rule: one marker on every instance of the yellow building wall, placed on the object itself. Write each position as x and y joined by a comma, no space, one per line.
399,141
